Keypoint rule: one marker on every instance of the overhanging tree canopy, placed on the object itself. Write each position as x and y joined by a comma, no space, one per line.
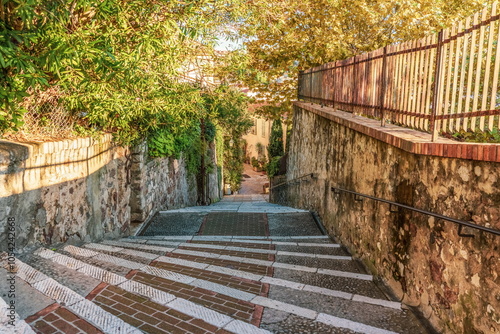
117,62
284,37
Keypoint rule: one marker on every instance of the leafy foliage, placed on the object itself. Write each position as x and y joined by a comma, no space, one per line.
273,167
119,61
285,37
476,137
210,131
227,108
275,149
233,163
120,64
255,163
169,142
273,111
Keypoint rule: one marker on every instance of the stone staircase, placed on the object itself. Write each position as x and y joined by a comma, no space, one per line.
274,283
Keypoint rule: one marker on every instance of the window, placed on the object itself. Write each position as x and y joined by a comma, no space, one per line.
253,129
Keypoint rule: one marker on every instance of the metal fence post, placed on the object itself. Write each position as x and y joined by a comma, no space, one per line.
383,86
311,86
299,84
334,72
354,87
437,83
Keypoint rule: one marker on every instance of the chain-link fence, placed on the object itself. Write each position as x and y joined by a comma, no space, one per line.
46,119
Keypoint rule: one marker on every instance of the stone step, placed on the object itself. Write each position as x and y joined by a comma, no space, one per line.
267,263
27,300
273,264
57,319
241,240
309,283
10,321
160,297
335,283
357,311
327,319
243,249
250,238
73,301
207,283
246,275
323,247
241,208
166,274
52,317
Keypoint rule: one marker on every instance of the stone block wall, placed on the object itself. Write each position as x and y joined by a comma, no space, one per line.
453,280
83,189
158,184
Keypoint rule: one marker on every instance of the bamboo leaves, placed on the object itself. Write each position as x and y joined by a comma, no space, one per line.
118,61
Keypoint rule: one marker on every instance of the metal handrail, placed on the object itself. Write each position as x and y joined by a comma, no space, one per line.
453,220
312,175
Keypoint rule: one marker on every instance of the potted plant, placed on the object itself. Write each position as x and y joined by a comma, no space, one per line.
255,164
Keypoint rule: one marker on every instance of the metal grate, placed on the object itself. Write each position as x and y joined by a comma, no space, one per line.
235,223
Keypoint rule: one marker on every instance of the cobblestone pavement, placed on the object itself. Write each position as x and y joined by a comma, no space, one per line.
235,267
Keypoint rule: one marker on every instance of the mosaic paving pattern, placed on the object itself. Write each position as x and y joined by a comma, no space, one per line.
232,223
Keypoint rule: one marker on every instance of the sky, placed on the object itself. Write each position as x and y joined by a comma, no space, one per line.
226,45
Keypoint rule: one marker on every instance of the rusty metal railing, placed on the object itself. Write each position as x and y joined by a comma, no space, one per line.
282,198
279,195
460,223
309,175
445,82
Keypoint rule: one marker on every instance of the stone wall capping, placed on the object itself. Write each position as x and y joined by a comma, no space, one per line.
85,142
51,147
44,148
12,153
409,140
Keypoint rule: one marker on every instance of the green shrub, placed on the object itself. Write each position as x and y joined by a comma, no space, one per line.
477,136
255,162
273,167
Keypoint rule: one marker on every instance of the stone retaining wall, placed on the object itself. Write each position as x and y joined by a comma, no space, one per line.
158,184
83,189
453,280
